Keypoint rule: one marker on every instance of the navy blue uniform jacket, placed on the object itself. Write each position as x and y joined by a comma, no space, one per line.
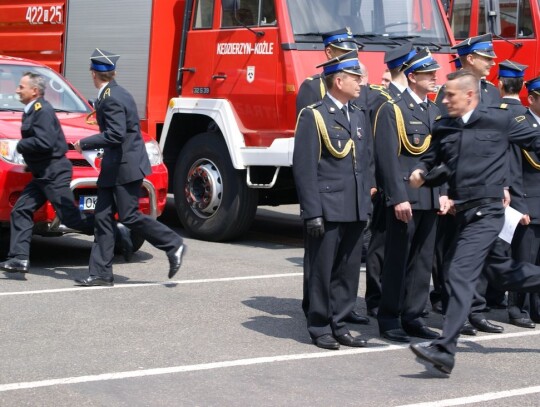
124,159
336,189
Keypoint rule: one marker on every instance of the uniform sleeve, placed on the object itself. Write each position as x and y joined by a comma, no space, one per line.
114,115
43,139
520,132
386,155
306,154
516,180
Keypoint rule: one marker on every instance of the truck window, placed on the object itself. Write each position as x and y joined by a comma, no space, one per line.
237,13
461,14
375,18
514,19
204,14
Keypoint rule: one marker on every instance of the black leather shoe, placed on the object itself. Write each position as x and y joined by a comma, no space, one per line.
175,260
396,335
485,326
349,340
326,341
355,318
441,360
15,266
93,281
468,329
126,242
421,332
523,322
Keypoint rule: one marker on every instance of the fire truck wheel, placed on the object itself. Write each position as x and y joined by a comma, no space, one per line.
211,197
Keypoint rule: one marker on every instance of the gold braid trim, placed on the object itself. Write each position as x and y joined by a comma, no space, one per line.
402,134
323,133
531,161
322,87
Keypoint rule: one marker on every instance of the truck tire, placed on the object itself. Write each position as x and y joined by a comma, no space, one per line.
211,197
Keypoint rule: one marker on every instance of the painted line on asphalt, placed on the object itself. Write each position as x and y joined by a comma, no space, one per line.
162,283
229,364
460,401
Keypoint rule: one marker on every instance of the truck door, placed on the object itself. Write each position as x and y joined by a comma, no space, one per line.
511,22
246,66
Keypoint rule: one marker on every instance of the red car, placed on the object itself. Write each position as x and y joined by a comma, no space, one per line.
76,116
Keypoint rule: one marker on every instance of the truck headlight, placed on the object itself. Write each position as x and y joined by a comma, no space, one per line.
8,152
154,153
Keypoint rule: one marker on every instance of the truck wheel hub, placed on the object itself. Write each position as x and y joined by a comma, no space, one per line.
204,188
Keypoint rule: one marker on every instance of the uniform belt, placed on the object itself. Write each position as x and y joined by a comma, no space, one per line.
475,203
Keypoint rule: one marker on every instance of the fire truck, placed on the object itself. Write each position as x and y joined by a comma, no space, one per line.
513,23
216,80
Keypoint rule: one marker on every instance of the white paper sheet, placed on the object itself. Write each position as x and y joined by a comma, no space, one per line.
90,156
511,220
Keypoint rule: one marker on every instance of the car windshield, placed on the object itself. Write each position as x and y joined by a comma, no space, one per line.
58,92
370,21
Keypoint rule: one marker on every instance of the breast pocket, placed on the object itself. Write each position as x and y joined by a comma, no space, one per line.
486,143
450,146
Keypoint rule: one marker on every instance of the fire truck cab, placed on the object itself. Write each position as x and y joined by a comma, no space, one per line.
515,25
216,82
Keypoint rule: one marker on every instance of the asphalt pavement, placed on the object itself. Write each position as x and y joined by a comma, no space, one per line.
228,330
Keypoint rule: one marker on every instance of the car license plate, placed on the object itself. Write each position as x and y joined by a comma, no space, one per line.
87,202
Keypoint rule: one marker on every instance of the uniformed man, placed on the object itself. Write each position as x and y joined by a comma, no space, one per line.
43,147
394,60
524,308
402,134
473,142
336,43
332,167
312,90
124,165
476,55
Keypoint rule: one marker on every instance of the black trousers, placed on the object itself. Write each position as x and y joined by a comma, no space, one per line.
52,186
477,244
375,253
124,199
525,247
334,271
408,260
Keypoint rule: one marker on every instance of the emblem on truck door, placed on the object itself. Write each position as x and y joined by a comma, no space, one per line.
250,74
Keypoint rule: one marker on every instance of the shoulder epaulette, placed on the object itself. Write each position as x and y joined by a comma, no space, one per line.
520,118
377,87
505,106
439,117
107,93
381,90
491,83
314,105
37,106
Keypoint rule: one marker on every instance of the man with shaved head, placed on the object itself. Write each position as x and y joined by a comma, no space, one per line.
472,141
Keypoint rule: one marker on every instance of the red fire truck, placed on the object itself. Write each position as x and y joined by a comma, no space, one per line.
513,23
216,80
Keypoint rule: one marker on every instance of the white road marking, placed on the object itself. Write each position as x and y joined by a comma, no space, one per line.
232,363
477,398
162,283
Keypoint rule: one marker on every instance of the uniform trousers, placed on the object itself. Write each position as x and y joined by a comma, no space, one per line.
375,253
477,244
406,275
525,247
53,186
124,199
334,269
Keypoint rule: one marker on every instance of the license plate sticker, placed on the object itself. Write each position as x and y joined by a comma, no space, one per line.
87,202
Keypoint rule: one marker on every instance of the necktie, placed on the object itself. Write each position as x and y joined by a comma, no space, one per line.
424,106
344,109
